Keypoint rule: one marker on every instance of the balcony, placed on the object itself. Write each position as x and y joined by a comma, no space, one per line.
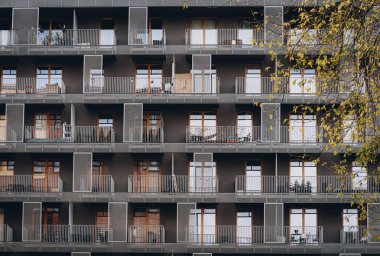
63,37
31,85
69,134
98,183
247,235
157,86
172,184
6,233
74,233
30,183
305,185
147,37
253,134
146,234
238,38
284,85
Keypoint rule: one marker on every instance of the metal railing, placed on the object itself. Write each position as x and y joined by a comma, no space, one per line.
98,183
32,85
225,37
302,37
74,233
110,85
146,234
67,133
306,184
30,183
301,134
354,235
64,37
154,37
172,184
7,134
6,233
231,234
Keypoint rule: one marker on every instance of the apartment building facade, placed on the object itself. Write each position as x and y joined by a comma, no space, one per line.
146,128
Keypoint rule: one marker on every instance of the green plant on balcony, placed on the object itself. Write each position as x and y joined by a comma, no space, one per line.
300,187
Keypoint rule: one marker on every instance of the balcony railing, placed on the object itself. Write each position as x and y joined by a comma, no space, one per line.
306,184
6,233
172,184
146,234
157,86
284,85
243,235
355,235
67,134
31,85
225,37
98,183
154,37
251,134
75,233
64,37
30,183
7,134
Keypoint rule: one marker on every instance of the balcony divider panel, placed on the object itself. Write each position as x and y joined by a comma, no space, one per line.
137,26
117,221
93,81
274,223
273,24
15,122
82,172
25,25
270,122
373,222
133,122
31,221
185,212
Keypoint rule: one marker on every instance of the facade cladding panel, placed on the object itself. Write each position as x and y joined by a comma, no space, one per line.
207,199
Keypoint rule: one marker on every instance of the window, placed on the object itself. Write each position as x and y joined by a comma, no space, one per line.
202,226
146,226
350,131
202,127
350,220
302,81
244,227
152,123
253,176
303,177
105,120
7,167
148,78
203,31
244,127
202,177
303,226
8,80
156,33
359,177
204,78
303,129
47,125
49,79
147,176
50,32
46,176
252,80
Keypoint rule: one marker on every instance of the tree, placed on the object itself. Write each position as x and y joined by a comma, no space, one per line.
340,40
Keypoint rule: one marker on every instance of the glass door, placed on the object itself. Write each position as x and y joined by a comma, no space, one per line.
202,228
253,80
202,127
147,176
152,127
146,226
302,81
105,127
107,33
303,129
50,221
49,80
253,177
156,33
203,31
8,83
244,228
350,226
202,177
303,177
46,176
148,79
244,127
359,178
101,228
303,226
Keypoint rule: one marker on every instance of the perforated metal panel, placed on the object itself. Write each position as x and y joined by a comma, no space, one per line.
82,172
273,24
137,26
270,122
93,80
117,221
133,122
373,223
81,254
25,25
201,73
185,213
274,223
31,221
15,121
